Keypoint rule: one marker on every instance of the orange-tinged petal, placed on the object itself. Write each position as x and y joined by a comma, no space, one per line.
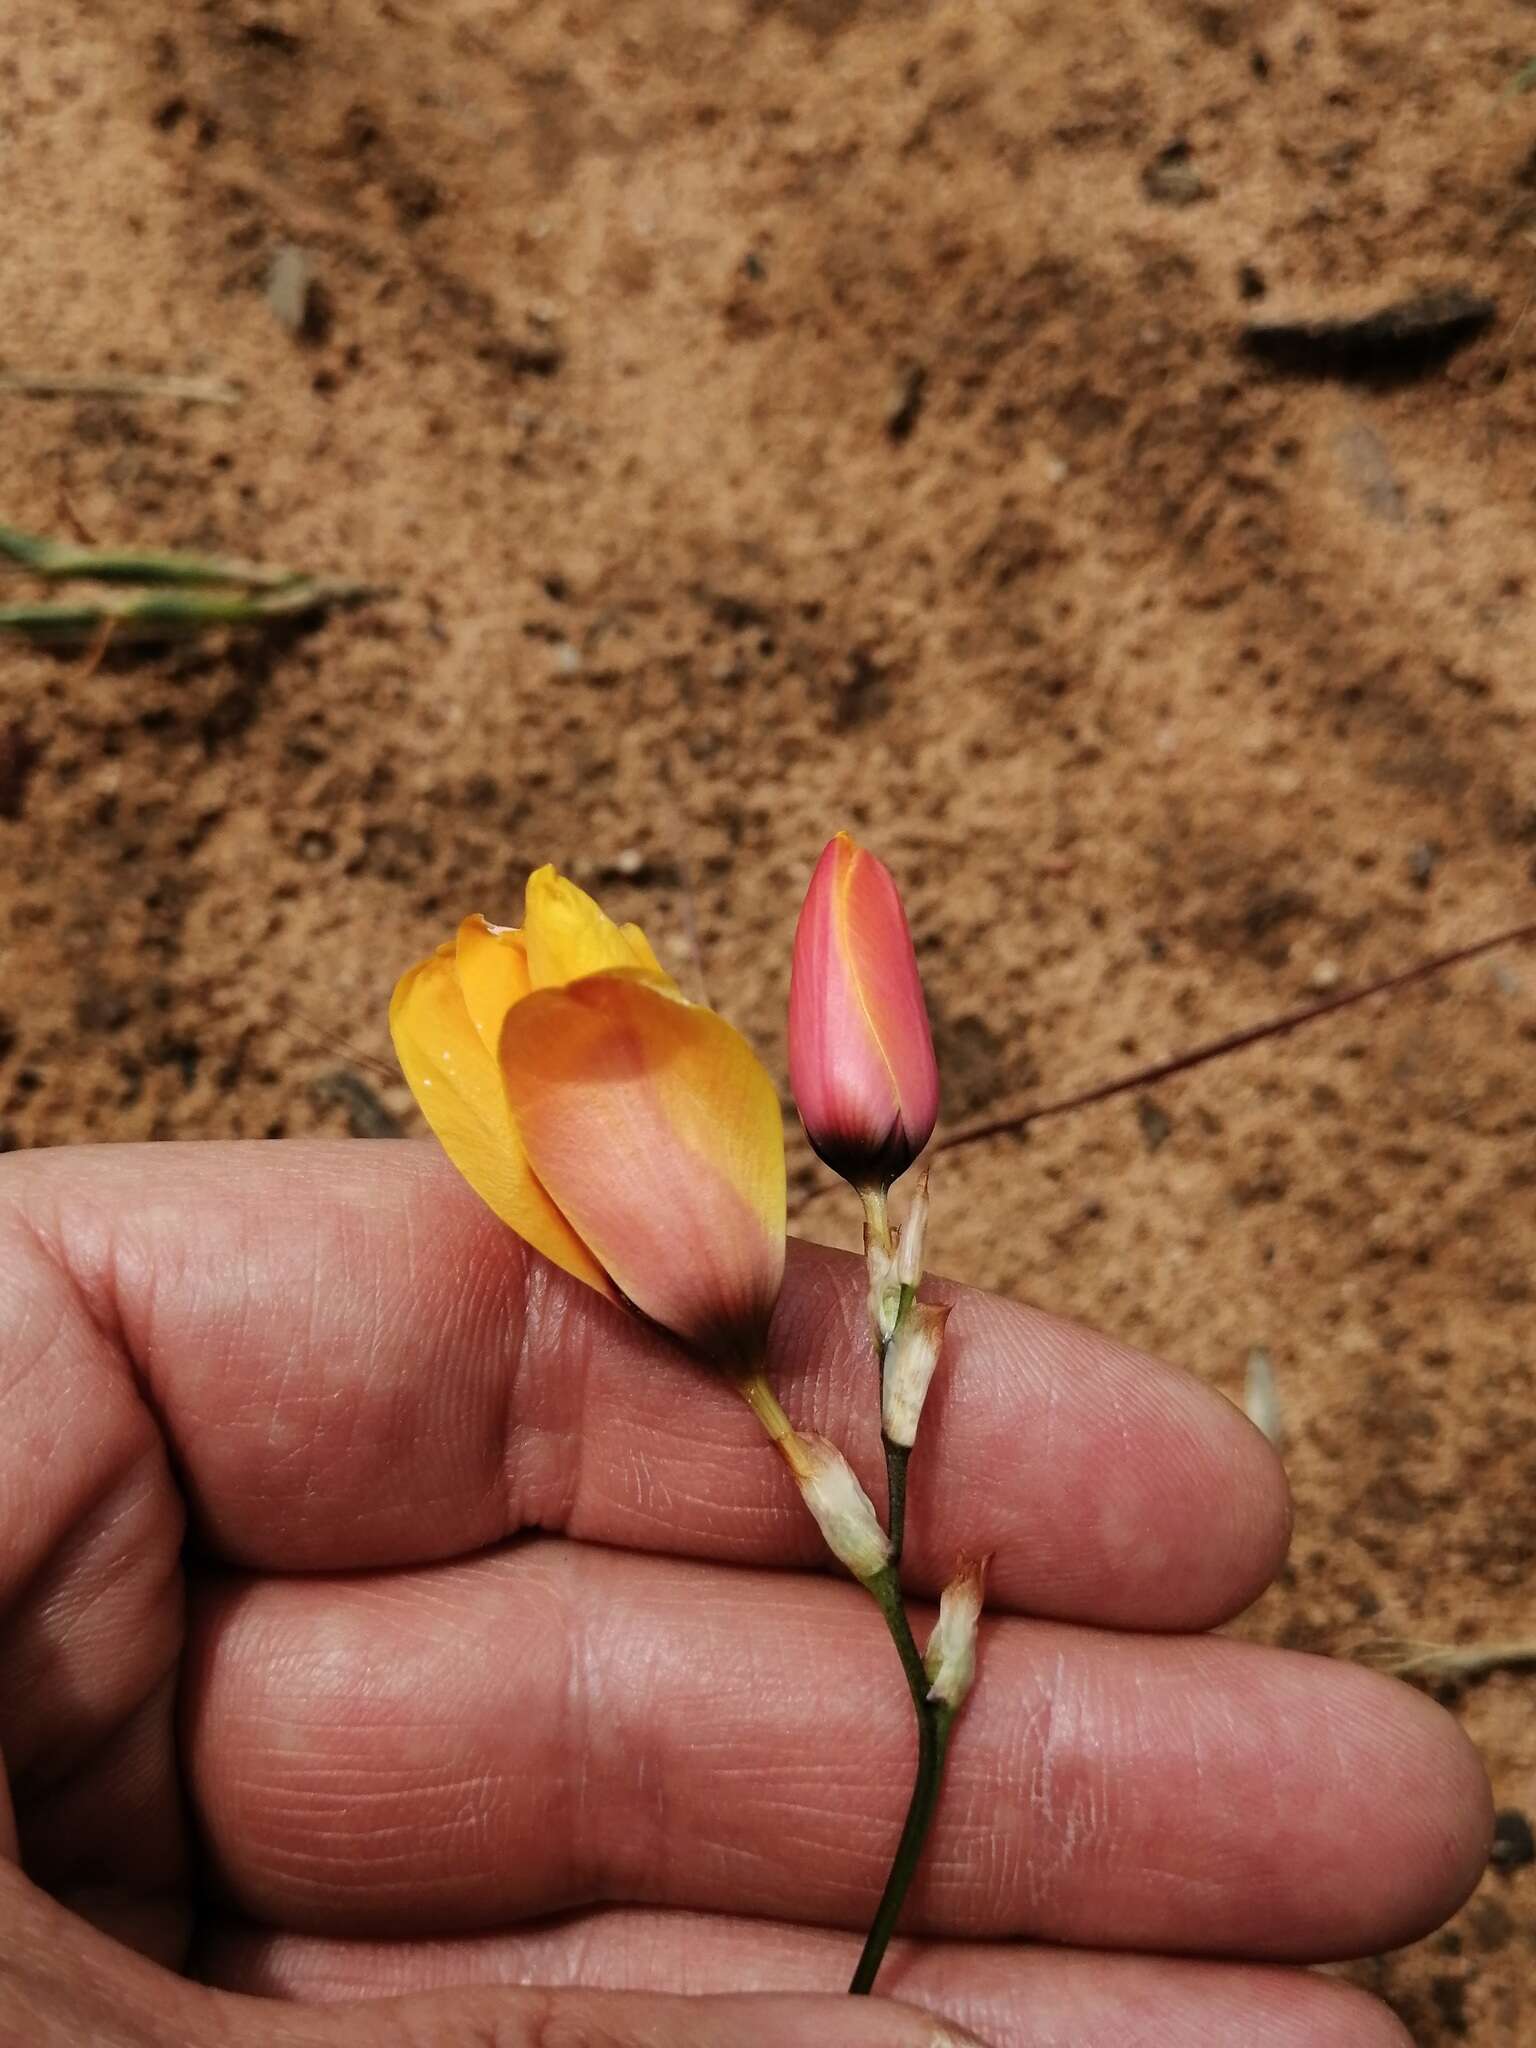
492,968
459,1087
567,935
655,1127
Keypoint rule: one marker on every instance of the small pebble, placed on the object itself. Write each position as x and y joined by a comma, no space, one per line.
1156,1124
1514,1846
1171,178
288,283
1422,860
1261,1396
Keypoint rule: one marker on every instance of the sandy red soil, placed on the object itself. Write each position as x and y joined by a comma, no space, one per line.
764,417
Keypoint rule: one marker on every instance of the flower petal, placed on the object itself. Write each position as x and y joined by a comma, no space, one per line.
459,1088
657,1130
568,936
492,968
644,953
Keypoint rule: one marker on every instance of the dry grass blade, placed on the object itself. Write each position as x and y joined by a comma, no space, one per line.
169,615
59,560
1405,1657
180,390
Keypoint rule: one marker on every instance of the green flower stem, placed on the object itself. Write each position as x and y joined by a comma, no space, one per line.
877,1218
933,1718
933,1725
896,1456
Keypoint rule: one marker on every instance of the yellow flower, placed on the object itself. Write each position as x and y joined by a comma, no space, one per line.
631,1136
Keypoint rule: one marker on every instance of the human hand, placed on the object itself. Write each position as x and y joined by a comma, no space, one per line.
347,1740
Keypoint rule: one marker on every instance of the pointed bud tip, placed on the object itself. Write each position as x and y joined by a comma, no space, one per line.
950,1658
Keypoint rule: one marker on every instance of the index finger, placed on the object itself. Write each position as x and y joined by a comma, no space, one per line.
356,1365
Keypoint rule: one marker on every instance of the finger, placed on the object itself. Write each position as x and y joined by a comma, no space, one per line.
1015,1997
357,1365
527,2018
62,1983
453,1748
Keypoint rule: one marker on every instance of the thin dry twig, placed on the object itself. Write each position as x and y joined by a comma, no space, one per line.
334,1040
1218,1048
1234,1041
96,651
1405,1657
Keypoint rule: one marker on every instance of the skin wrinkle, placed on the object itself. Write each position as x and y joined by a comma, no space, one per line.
580,1384
517,1368
129,1775
160,1599
580,1690
1039,1777
758,1661
655,1502
485,1463
555,1499
372,1344
40,1227
56,1610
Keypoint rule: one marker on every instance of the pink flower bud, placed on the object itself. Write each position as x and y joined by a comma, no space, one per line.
860,1052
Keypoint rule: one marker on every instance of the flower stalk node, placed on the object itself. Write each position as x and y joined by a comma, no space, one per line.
911,1360
844,1512
950,1658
